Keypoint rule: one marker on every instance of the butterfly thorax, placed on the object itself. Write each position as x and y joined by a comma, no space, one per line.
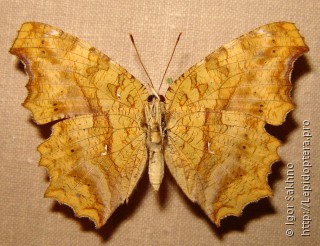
154,113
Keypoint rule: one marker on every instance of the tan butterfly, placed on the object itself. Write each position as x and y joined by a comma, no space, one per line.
209,130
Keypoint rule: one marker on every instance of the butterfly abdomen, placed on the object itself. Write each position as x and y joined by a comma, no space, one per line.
154,142
156,165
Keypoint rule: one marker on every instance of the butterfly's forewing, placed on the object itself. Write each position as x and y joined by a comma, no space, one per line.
95,156
250,75
68,76
217,149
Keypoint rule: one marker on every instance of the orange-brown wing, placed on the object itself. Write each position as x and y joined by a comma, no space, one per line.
94,162
250,75
218,150
68,76
219,159
95,156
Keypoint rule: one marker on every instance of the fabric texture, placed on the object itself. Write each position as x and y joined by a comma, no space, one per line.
166,217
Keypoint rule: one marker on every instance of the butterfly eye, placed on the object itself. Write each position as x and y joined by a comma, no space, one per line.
162,99
151,97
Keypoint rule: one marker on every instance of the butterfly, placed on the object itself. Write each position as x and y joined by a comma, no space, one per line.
208,127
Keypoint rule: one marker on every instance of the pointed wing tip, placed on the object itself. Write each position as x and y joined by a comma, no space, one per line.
11,51
34,119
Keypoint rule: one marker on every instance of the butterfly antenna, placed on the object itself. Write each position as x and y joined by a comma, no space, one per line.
174,49
150,81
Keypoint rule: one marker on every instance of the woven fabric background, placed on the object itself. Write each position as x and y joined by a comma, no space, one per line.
166,218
